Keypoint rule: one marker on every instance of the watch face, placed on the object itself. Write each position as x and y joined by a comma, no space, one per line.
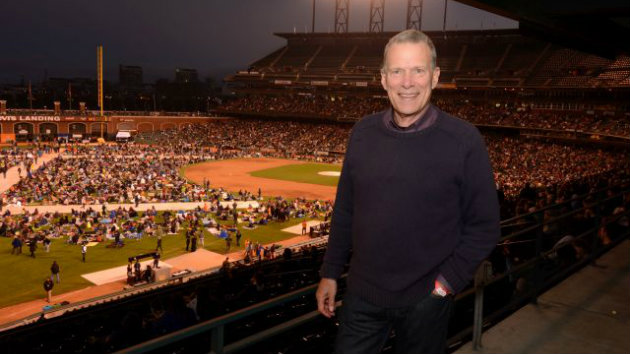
440,291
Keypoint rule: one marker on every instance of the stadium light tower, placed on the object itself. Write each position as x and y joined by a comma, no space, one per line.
99,68
414,14
99,71
342,13
377,15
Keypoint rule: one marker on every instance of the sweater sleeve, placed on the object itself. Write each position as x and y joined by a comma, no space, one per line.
340,239
479,225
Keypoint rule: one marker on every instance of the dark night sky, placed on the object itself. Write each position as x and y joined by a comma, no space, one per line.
213,36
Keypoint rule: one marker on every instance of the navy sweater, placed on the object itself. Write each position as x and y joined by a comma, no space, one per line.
412,206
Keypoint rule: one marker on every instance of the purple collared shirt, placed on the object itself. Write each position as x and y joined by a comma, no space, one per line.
427,120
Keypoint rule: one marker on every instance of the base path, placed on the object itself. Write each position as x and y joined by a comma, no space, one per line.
235,174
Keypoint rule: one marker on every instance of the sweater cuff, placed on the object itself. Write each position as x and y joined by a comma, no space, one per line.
454,281
331,271
440,278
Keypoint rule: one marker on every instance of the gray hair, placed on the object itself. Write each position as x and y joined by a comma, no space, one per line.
410,36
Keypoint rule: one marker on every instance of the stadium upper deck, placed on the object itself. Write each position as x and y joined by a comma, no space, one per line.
486,58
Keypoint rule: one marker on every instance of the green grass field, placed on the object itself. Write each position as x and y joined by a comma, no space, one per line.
23,276
304,173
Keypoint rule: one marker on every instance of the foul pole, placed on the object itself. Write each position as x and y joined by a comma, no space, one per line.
99,69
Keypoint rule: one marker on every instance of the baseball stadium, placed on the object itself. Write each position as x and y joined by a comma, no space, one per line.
204,229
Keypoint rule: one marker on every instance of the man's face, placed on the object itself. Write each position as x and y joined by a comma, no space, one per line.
409,78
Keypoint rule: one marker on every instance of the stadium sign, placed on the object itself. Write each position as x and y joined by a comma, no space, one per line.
282,82
361,83
30,118
319,83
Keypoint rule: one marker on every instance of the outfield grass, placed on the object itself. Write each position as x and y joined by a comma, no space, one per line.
23,276
304,173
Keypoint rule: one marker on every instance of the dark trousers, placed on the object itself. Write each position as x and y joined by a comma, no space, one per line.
419,328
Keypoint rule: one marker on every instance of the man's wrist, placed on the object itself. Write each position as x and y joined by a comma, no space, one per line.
440,290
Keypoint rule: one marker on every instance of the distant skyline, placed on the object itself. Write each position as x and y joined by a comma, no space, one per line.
215,37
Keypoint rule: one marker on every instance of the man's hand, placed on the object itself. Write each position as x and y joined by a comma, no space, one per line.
325,295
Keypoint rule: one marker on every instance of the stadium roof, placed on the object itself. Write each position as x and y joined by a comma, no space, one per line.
600,27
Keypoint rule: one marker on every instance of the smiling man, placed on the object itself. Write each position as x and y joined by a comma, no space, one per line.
416,207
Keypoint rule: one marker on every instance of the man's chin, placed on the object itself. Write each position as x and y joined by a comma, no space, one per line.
408,113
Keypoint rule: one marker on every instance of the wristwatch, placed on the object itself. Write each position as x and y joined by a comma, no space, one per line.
440,291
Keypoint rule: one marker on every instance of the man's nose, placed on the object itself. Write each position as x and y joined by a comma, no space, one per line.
407,80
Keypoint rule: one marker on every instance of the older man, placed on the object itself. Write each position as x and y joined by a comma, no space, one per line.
416,204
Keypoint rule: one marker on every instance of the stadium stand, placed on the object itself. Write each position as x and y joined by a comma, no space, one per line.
485,58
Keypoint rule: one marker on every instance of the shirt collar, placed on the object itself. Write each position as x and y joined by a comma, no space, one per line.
425,121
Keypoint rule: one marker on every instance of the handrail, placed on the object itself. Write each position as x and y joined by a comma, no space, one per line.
217,324
537,211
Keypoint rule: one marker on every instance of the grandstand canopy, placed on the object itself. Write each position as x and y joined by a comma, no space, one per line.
601,27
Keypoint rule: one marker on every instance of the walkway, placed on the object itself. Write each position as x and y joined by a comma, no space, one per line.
587,313
12,173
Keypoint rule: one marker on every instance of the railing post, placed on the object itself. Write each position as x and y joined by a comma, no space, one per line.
538,276
216,340
599,232
482,276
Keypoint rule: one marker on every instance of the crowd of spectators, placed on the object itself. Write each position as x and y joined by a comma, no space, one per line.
110,173
523,116
486,112
24,157
118,225
310,105
519,162
142,173
321,142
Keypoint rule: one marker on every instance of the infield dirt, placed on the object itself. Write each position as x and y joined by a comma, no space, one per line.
234,175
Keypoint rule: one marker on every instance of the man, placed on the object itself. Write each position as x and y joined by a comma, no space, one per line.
228,243
238,238
54,271
156,260
17,245
417,206
32,246
83,251
159,232
48,286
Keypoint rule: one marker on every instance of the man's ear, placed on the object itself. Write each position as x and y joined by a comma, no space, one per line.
383,80
436,77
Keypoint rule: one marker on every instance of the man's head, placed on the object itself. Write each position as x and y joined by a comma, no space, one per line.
409,72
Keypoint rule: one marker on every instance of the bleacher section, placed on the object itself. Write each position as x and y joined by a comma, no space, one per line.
490,58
